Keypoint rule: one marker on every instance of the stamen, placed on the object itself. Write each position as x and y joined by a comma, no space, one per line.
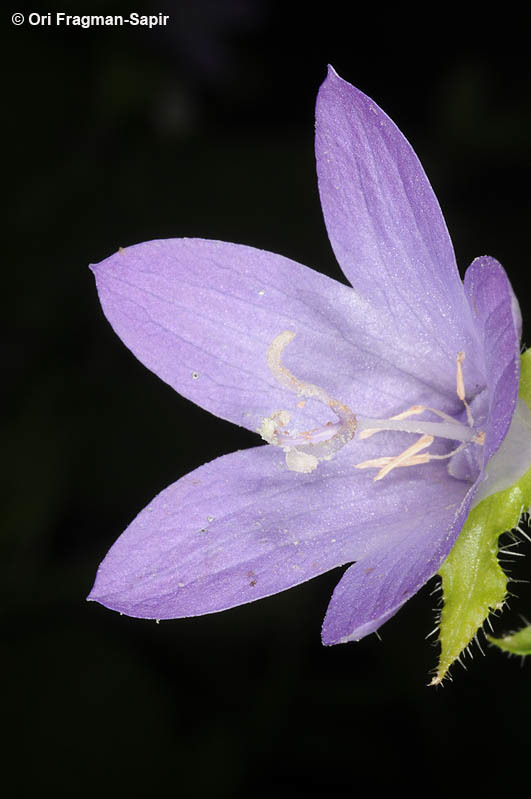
460,382
404,459
420,444
443,415
461,393
377,463
448,454
415,460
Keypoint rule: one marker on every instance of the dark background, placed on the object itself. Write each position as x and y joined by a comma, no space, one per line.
205,128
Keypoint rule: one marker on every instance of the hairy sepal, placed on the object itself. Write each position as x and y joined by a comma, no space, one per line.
473,582
518,643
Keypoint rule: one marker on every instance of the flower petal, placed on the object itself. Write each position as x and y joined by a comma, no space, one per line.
499,322
385,224
244,527
202,314
375,588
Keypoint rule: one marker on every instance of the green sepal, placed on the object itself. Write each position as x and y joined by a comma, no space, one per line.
473,583
518,643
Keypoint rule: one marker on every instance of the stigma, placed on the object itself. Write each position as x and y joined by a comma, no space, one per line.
304,450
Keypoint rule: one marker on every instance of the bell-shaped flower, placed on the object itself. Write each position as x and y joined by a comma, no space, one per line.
384,406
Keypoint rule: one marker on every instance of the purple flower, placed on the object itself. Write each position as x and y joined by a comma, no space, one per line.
381,403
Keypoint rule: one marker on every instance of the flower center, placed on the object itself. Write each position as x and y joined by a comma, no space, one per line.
305,450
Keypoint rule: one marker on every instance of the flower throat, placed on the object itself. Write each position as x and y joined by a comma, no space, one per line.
305,450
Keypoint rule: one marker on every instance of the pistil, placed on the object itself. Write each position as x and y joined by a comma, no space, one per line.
455,431
305,450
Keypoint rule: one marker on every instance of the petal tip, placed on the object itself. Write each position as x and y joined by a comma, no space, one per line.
330,637
98,269
94,595
333,77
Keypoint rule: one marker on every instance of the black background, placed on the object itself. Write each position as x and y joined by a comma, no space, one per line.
205,128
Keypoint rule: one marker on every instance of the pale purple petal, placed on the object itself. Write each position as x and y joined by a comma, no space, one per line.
202,314
499,322
243,527
385,224
374,588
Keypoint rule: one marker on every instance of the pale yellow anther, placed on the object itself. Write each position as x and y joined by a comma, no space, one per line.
404,459
413,411
420,444
377,463
461,393
460,382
